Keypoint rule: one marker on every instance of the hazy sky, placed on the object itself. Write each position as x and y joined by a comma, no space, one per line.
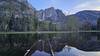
68,6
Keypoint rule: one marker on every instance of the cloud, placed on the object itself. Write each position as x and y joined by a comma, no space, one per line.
98,0
50,3
91,5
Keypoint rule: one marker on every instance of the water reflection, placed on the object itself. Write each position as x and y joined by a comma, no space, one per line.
40,53
67,51
22,42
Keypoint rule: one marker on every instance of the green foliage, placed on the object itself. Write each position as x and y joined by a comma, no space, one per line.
44,25
73,23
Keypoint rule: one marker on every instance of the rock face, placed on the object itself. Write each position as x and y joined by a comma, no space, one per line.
16,15
88,15
57,15
53,14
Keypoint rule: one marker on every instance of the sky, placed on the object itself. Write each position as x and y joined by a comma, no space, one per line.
67,6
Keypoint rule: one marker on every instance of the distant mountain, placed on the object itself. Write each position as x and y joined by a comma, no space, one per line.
52,14
57,15
88,15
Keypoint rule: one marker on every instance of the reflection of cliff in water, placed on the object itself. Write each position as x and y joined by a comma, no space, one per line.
67,51
42,42
58,42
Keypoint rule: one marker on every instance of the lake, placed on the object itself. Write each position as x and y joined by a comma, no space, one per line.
67,51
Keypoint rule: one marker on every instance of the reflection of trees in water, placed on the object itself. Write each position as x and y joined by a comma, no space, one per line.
57,41
15,42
